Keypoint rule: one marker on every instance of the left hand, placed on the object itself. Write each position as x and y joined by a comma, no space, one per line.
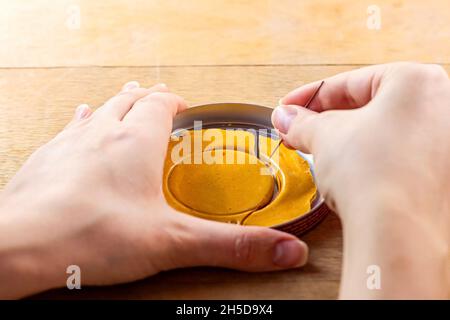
92,197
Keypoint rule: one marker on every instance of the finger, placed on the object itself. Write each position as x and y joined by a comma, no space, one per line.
296,126
156,111
208,243
119,105
81,112
348,90
130,85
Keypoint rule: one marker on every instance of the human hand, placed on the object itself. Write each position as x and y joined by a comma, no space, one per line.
92,197
380,140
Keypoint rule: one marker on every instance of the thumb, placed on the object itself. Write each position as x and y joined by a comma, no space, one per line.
296,126
210,243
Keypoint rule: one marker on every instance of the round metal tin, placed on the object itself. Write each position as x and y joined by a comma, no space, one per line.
243,115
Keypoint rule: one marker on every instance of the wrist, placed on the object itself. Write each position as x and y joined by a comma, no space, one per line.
24,263
402,242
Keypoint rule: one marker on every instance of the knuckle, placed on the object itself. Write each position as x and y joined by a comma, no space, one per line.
436,71
408,70
250,245
244,248
129,94
123,96
405,65
157,98
423,72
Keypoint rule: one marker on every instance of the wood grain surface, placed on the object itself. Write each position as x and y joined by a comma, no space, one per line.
216,32
207,51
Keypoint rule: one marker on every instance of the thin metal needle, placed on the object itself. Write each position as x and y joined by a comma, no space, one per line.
276,148
307,107
314,94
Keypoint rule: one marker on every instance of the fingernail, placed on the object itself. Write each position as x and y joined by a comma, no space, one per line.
160,87
81,111
130,85
283,116
290,254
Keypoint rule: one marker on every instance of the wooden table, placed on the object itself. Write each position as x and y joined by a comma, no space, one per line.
207,51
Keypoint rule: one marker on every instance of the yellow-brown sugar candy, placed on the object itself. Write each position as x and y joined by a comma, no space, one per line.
297,191
214,174
221,189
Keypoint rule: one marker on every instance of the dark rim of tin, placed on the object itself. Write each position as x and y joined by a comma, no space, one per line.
242,115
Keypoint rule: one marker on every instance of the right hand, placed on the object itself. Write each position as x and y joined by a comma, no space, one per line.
380,140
